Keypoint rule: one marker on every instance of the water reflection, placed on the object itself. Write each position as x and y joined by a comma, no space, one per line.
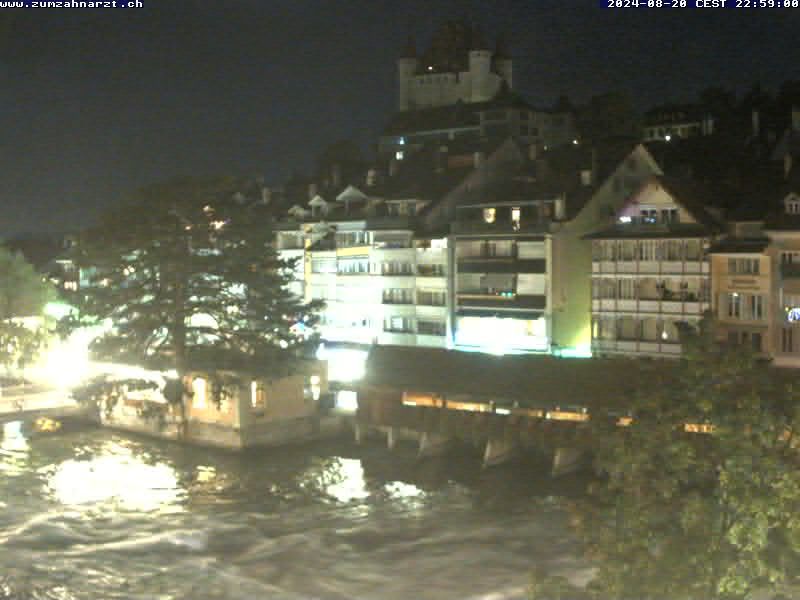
119,477
14,449
348,481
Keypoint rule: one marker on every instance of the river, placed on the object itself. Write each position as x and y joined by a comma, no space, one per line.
89,513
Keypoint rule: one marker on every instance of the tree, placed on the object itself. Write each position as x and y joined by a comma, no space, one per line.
186,276
23,293
683,515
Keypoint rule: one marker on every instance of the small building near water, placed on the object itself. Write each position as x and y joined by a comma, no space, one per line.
217,408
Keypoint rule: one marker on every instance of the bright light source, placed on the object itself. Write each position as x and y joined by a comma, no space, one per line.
346,401
575,142
668,137
625,219
344,364
502,411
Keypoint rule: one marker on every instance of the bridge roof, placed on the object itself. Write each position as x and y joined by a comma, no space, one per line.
531,381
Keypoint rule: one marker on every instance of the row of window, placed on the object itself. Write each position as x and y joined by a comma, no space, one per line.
406,325
744,266
647,329
647,250
362,266
648,289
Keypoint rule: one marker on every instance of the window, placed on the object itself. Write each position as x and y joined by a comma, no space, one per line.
516,215
430,270
743,266
748,307
398,325
431,297
398,296
647,251
649,215
431,328
489,215
669,215
323,265
199,392
674,250
734,304
787,344
257,395
353,266
756,306
792,205
626,289
397,268
788,258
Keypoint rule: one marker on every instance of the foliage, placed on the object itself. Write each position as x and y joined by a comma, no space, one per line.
187,271
691,515
23,293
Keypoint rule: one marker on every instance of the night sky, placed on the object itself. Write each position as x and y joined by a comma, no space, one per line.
96,103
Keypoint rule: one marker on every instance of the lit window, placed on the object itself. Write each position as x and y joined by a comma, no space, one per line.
516,215
489,215
199,392
399,155
401,141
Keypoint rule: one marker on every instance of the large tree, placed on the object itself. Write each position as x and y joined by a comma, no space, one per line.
688,515
186,275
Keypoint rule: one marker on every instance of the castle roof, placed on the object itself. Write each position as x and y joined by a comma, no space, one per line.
450,47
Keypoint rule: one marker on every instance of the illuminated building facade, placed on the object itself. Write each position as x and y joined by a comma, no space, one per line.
650,266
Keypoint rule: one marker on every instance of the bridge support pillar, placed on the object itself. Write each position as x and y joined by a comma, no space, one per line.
567,460
500,450
433,444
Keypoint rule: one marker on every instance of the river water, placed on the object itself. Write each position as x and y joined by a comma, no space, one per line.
91,513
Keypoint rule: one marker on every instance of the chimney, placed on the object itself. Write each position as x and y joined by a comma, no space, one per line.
478,159
756,123
266,195
533,152
787,165
336,174
312,190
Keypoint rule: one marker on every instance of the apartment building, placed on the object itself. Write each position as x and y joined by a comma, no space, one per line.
650,268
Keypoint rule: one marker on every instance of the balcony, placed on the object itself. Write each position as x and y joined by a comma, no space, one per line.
501,264
499,299
480,226
430,271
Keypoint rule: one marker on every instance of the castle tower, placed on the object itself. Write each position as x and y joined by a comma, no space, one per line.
406,69
480,64
502,61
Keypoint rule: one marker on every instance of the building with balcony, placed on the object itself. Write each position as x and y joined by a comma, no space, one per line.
650,268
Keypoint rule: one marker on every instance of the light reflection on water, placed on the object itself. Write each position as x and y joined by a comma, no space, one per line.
95,514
